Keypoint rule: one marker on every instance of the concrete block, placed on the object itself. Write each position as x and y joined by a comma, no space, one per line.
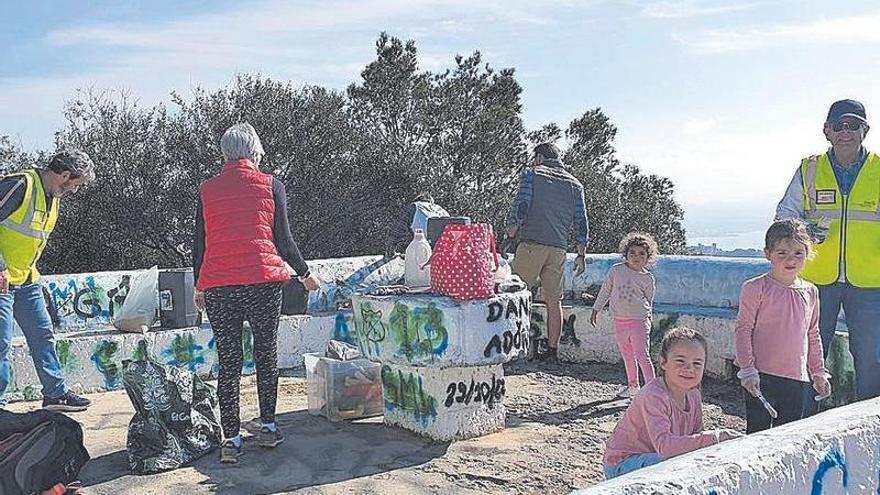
436,331
444,404
835,452
289,328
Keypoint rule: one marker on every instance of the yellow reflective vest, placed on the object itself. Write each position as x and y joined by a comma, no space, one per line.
853,219
24,233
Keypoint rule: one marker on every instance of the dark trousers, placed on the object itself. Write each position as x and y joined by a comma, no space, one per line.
228,308
862,310
784,394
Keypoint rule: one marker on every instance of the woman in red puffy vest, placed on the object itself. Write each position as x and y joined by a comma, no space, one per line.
242,255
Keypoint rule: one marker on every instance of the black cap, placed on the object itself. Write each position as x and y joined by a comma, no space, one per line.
846,108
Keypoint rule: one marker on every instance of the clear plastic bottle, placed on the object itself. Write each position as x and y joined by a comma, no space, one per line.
416,273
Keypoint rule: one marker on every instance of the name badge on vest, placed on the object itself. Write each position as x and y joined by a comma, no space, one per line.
826,196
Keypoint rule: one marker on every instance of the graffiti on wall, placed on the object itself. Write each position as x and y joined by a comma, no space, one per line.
81,300
185,352
418,331
488,392
539,343
412,332
66,358
106,361
514,340
370,329
404,391
342,331
142,352
832,460
568,336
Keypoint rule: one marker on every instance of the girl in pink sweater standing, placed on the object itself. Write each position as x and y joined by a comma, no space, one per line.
778,348
666,418
629,289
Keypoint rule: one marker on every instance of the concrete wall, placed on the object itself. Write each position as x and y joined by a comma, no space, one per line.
427,330
581,342
92,362
89,301
681,280
704,291
836,452
85,301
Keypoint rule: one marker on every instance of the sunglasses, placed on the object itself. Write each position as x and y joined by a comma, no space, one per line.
852,126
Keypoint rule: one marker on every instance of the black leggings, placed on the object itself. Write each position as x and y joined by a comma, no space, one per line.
784,394
228,308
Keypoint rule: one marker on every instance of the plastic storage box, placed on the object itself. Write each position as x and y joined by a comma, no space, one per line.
340,390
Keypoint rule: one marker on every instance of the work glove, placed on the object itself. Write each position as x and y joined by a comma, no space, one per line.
750,380
818,229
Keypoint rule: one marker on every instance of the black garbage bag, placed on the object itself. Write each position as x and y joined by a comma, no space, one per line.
38,450
175,420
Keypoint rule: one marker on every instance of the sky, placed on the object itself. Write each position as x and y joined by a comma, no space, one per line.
724,98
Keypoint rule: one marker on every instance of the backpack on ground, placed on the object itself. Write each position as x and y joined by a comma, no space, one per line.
38,450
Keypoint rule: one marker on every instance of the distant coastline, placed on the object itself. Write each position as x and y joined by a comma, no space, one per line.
714,250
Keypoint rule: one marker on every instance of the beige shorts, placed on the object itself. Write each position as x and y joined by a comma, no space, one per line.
532,261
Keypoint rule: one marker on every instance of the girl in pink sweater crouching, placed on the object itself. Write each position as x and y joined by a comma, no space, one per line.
666,418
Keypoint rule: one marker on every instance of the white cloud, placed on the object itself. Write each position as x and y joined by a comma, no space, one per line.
669,9
698,126
325,43
844,30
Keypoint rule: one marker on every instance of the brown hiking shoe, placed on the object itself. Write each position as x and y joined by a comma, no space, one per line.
268,438
229,453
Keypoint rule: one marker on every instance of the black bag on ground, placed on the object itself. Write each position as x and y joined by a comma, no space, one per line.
175,419
38,450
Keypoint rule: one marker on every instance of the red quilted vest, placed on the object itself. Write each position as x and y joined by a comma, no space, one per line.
239,212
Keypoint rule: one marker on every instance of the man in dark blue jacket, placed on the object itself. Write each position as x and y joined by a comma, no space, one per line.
550,201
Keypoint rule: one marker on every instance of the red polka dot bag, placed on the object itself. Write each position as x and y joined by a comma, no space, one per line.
464,262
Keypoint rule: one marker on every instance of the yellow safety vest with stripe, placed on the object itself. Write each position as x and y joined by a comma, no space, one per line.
854,222
24,233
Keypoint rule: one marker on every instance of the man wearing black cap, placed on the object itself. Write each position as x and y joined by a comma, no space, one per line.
838,194
28,212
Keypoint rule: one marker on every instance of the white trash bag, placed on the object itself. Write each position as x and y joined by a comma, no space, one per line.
138,310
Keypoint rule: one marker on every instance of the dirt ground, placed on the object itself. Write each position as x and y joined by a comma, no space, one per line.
558,416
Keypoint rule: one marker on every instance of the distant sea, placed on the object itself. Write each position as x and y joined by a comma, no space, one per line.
730,241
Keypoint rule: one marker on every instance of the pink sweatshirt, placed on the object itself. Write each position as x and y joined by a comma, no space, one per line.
654,424
630,293
777,329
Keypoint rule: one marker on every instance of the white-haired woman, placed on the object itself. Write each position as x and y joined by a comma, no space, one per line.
242,255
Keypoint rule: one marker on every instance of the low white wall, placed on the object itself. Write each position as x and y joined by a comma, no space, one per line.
709,281
85,301
836,452
581,342
92,362
88,301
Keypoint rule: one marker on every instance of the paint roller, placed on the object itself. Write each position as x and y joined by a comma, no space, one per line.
767,406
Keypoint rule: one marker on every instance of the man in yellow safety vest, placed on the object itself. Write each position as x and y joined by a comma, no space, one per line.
28,212
838,194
